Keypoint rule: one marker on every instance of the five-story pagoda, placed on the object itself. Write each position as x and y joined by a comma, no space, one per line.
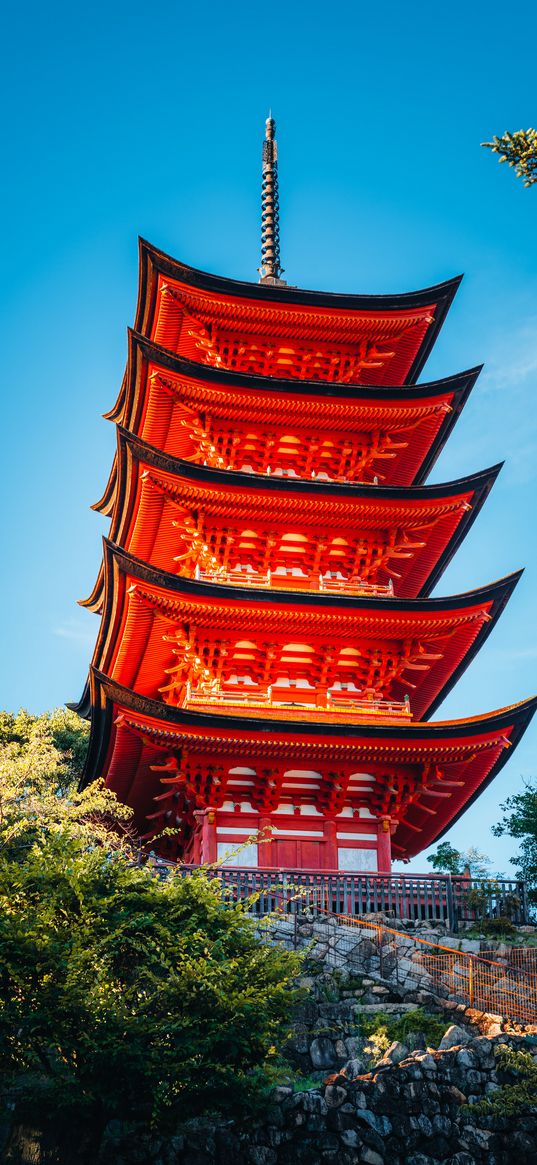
268,654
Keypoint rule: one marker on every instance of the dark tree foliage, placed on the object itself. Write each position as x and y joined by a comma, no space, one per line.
122,996
520,821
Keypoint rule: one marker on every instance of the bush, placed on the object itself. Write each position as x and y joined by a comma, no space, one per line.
497,928
121,996
518,1091
382,1029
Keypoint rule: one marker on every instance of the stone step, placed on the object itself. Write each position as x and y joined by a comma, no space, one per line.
389,1008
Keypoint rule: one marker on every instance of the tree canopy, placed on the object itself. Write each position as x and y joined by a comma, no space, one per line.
122,995
449,860
520,821
519,150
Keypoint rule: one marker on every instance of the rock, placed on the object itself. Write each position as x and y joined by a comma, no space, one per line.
315,1103
261,1155
465,1058
454,1036
380,1124
491,1025
470,945
354,1068
473,1138
322,1053
455,1094
442,1125
335,1095
396,1052
350,1138
280,1092
370,1156
425,1125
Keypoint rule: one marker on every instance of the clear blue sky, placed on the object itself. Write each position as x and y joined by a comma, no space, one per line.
126,119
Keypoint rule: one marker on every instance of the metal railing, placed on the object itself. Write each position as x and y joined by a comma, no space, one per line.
414,897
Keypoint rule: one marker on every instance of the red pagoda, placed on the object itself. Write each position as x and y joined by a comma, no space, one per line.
269,653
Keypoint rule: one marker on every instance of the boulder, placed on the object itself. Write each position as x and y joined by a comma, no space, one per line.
322,1053
354,1068
396,1052
454,1036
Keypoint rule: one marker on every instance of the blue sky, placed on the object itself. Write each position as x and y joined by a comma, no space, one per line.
126,119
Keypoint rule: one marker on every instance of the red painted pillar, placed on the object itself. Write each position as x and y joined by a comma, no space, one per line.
330,846
384,847
196,844
208,836
264,846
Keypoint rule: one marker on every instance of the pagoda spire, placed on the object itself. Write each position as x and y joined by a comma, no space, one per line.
270,269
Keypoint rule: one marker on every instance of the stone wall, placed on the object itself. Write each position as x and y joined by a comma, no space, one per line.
410,1113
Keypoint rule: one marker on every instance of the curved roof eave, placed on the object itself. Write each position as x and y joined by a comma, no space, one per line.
105,693
225,378
497,591
223,285
176,466
497,594
153,260
518,713
480,484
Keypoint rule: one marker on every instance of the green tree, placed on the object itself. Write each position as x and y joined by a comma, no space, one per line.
449,860
519,150
520,821
121,995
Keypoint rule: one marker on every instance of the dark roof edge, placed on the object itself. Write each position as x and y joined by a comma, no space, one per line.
223,285
498,591
146,706
276,385
527,708
231,477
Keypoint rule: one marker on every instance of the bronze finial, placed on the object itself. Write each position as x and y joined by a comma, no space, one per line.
270,269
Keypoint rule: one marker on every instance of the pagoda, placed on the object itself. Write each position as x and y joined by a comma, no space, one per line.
269,652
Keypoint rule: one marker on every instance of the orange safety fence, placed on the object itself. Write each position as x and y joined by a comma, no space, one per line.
500,982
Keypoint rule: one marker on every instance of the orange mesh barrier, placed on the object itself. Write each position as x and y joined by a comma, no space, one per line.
502,983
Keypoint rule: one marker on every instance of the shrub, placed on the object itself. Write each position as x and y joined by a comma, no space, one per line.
381,1030
121,996
518,1091
497,928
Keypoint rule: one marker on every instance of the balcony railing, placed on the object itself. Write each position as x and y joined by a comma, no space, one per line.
415,897
311,700
287,582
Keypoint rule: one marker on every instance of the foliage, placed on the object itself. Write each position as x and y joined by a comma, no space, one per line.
41,759
518,1092
453,861
519,150
497,928
382,1029
520,821
121,995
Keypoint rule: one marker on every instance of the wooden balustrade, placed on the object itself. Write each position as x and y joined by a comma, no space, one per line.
288,582
414,897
